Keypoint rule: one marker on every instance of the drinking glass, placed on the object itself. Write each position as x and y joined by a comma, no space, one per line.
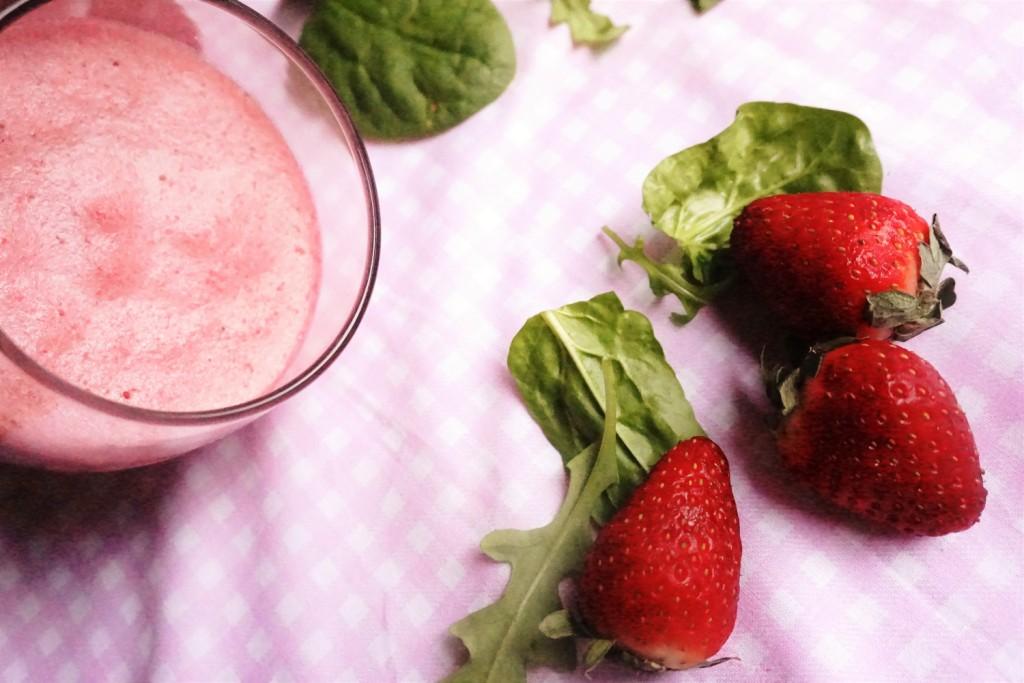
47,421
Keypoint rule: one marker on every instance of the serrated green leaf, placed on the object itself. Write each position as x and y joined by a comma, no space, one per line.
771,148
505,637
556,362
586,26
406,68
667,278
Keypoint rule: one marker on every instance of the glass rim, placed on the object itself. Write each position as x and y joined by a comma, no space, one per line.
10,10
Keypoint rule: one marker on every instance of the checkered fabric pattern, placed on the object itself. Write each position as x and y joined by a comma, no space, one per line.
336,539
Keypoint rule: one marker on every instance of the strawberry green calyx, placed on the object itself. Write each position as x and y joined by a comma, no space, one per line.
558,625
563,624
647,665
596,652
641,663
909,315
783,383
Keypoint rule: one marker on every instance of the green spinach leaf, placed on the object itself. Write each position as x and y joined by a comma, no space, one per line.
410,68
505,637
586,26
556,362
771,148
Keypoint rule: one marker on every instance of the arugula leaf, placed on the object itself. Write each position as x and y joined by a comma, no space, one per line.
701,6
556,362
771,148
667,278
586,26
505,637
409,69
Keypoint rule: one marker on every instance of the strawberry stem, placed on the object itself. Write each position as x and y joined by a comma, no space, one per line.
908,315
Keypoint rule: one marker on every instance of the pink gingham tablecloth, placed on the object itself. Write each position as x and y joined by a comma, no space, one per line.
336,540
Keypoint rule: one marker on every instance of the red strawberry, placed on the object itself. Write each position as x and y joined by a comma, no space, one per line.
844,263
876,430
662,578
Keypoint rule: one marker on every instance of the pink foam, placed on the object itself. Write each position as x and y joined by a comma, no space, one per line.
158,243
165,17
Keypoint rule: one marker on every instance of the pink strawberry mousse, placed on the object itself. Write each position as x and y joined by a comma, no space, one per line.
158,242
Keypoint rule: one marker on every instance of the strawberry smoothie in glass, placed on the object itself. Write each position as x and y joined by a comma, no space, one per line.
166,272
